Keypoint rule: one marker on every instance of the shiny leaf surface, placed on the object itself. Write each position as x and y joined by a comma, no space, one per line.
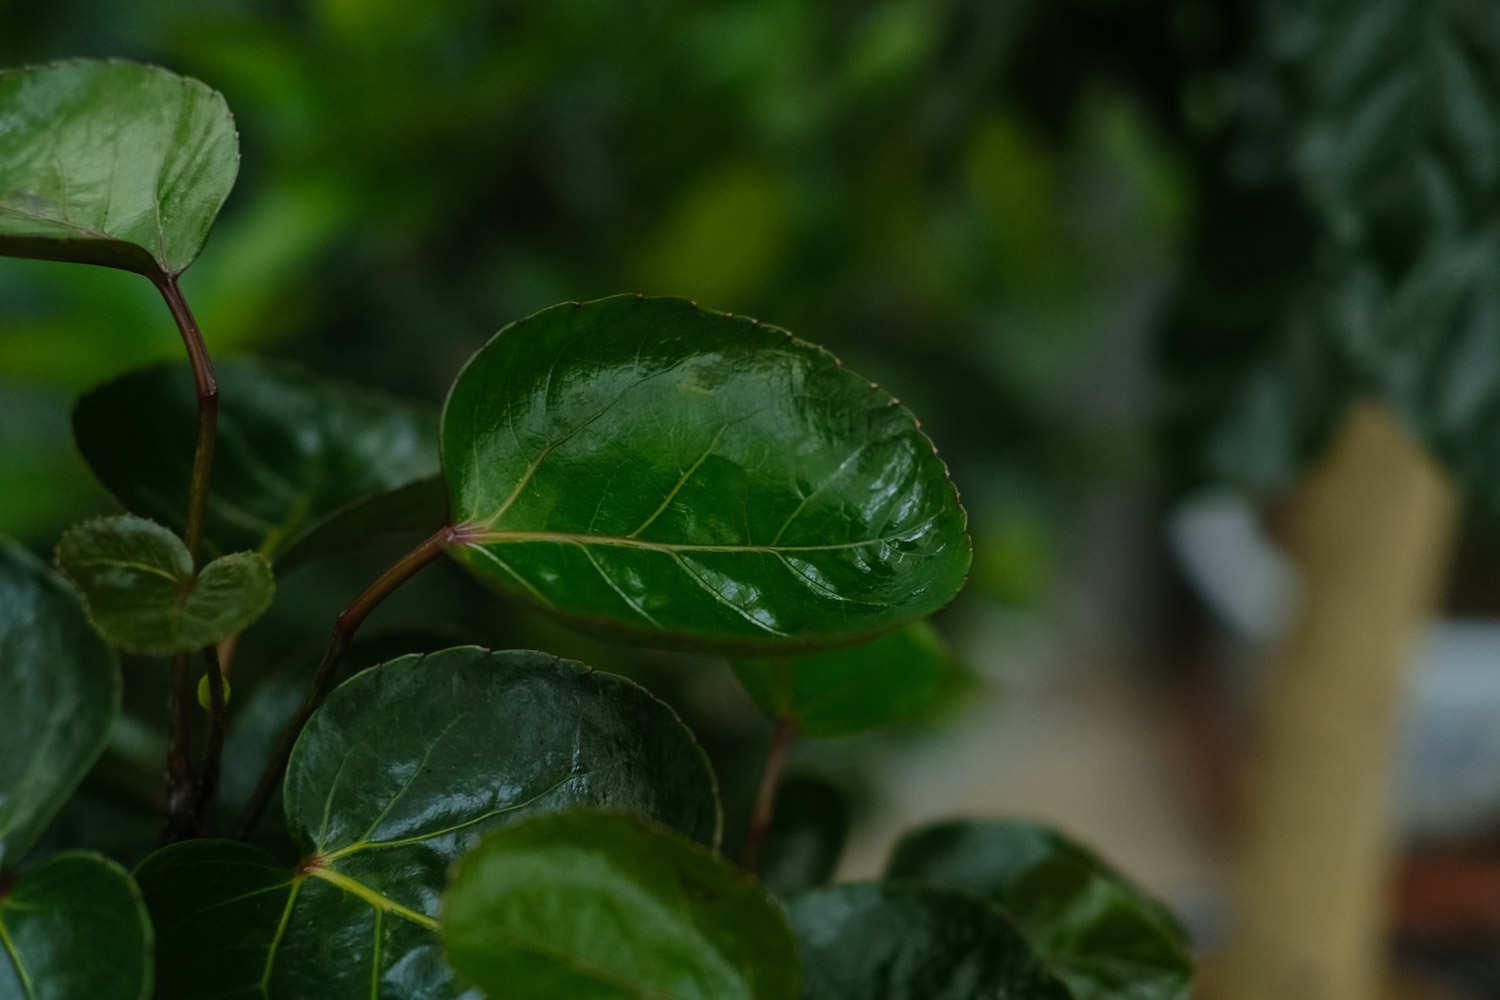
645,466
397,775
294,457
141,593
59,692
841,691
904,942
74,927
111,162
1102,935
592,904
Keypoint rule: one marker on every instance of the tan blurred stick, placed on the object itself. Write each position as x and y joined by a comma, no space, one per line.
1371,529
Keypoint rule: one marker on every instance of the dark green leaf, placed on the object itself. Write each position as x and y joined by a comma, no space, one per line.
841,691
293,454
643,465
138,584
75,927
807,835
59,692
593,904
1101,934
395,777
111,162
903,942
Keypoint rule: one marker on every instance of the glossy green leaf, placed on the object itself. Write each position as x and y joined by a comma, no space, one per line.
59,692
592,905
841,691
905,942
295,455
1103,936
74,927
397,775
690,477
141,593
111,162
808,831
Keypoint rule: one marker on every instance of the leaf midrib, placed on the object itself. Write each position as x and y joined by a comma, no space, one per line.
482,538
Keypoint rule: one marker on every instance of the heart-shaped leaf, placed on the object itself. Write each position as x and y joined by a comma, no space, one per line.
295,456
142,594
643,465
397,775
905,942
588,903
74,926
1102,935
841,691
59,692
110,162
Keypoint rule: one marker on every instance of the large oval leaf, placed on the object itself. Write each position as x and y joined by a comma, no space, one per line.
143,595
396,776
111,162
59,692
72,927
1103,936
841,691
901,942
647,466
293,454
593,904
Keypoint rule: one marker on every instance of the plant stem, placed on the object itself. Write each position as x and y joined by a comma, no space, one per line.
179,754
213,756
765,795
208,409
344,627
181,795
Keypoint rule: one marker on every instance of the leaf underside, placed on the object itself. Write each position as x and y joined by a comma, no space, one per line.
395,777
111,162
694,478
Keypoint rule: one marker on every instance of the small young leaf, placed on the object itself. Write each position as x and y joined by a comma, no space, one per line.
397,775
841,691
59,692
642,465
587,903
1101,934
141,593
113,163
295,458
905,942
75,926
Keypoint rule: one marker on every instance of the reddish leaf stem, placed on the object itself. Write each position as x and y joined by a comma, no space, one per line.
207,389
179,753
765,796
344,627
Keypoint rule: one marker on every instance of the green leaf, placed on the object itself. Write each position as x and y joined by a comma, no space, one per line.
72,927
138,584
110,162
903,942
59,692
1101,934
841,691
593,904
295,456
689,477
395,777
808,831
